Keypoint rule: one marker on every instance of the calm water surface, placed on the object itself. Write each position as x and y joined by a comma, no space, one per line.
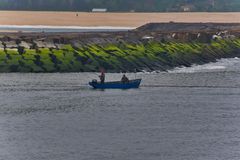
186,114
65,29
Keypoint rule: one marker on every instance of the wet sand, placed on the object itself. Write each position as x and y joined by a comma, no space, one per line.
109,19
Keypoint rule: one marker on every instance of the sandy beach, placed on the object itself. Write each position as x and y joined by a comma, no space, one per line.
109,19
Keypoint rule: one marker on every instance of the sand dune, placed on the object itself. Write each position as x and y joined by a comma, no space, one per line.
109,19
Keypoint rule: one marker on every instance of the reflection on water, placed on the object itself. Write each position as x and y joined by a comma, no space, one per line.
176,115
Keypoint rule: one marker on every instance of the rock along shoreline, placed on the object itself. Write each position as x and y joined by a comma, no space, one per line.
154,46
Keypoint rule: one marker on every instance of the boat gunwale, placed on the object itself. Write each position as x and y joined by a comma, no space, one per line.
119,82
119,85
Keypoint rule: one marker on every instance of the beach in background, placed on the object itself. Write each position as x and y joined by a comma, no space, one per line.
86,19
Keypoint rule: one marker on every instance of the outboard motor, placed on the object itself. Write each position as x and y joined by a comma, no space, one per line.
94,81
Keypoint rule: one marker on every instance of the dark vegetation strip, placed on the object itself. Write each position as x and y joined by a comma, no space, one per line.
123,5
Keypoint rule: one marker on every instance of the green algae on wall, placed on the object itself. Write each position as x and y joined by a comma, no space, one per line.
117,57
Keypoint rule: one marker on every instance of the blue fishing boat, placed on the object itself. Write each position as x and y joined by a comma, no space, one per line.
116,85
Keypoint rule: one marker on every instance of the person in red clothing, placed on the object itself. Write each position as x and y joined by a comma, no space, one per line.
102,77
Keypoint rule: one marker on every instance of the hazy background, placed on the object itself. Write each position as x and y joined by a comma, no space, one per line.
123,5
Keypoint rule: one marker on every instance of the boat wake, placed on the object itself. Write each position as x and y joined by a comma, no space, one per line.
187,86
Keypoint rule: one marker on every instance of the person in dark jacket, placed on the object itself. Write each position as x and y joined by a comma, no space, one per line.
124,79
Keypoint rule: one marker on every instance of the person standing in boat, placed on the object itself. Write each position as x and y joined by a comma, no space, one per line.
102,77
124,79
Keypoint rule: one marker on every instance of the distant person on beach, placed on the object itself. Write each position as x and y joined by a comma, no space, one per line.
124,79
102,77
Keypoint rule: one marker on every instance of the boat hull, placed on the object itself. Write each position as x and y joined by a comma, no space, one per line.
116,85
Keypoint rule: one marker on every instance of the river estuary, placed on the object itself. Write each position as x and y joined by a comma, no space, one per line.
185,114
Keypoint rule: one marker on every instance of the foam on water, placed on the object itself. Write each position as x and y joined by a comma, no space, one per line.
220,65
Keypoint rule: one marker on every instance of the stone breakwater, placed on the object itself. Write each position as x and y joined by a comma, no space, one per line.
160,46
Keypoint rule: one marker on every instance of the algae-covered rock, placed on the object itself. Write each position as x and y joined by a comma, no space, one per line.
124,56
